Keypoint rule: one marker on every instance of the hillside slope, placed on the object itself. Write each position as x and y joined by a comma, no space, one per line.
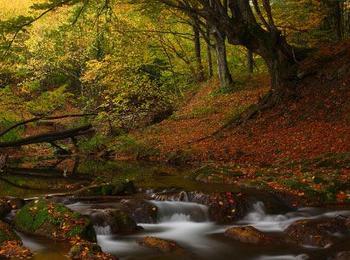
318,122
300,149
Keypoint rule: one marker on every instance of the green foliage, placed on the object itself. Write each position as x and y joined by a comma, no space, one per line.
48,101
96,143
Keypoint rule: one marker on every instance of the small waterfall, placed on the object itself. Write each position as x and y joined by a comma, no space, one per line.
103,230
171,196
178,211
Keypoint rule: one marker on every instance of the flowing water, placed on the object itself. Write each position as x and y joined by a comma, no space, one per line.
188,224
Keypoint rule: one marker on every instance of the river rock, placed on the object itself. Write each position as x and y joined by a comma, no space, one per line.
141,211
55,221
316,232
162,245
249,235
5,208
15,203
118,221
84,250
223,207
10,244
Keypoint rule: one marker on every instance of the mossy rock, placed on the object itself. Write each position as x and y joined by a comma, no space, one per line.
55,221
87,250
111,189
7,234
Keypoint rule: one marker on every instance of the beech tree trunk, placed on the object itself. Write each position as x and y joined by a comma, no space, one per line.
198,52
226,81
209,53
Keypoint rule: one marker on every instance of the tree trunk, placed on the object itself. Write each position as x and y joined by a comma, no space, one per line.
250,62
333,21
243,26
338,17
197,47
209,53
226,81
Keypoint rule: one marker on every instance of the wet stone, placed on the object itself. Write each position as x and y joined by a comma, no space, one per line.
322,233
249,235
162,245
118,221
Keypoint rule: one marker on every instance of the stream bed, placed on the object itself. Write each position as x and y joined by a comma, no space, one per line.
187,223
181,220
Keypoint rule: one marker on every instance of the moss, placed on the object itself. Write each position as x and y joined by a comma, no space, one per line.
56,221
75,231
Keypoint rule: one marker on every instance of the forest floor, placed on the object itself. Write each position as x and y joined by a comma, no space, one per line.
302,146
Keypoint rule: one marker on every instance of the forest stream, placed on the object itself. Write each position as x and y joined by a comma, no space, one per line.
183,215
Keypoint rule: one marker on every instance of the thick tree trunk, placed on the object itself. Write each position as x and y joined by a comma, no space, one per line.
282,62
226,81
243,26
198,52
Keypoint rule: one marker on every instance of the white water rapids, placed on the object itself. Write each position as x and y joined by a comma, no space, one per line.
187,224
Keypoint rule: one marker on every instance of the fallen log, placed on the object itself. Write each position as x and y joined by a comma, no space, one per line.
36,119
49,137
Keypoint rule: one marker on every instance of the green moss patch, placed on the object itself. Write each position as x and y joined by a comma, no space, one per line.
45,218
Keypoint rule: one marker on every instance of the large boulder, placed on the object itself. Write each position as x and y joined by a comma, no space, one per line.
55,221
140,210
316,232
249,235
162,245
118,221
85,250
10,244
